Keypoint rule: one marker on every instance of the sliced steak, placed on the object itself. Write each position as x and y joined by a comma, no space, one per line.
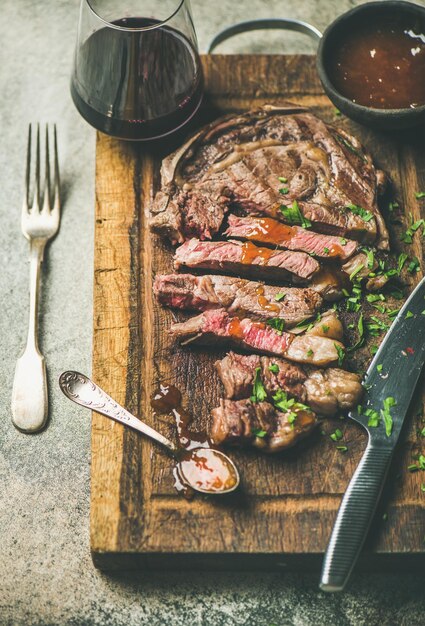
326,391
240,422
265,230
328,325
244,298
235,163
244,259
218,328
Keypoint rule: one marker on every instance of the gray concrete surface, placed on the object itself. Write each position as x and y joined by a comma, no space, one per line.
46,574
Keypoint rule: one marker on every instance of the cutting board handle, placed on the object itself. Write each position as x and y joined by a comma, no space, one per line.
354,517
270,23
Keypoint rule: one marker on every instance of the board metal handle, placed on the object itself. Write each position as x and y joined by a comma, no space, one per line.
269,23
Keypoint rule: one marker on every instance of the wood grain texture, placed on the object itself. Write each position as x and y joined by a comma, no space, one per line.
285,509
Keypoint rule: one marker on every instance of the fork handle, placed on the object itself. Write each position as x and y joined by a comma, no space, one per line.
29,395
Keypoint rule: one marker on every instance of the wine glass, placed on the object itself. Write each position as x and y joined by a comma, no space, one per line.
137,73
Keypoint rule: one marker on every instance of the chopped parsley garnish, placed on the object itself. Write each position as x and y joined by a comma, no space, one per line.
420,465
325,328
360,211
422,486
343,241
419,194
409,314
279,296
284,190
341,354
392,314
361,338
293,215
326,250
374,297
392,206
423,432
373,350
274,367
257,432
407,237
386,415
282,179
370,257
337,112
259,394
308,325
380,307
309,352
350,147
373,416
413,266
281,402
379,367
356,271
277,323
337,435
342,448
401,261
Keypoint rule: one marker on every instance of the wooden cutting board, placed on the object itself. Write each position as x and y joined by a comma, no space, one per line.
284,512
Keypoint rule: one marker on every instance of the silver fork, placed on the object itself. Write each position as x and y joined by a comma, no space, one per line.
39,222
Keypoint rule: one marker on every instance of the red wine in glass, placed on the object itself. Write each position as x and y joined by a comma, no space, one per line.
137,78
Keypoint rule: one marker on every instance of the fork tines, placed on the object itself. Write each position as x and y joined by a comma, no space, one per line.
48,198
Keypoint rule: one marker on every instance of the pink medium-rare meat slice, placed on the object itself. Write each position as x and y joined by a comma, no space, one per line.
327,391
218,328
236,162
240,421
244,258
244,298
268,231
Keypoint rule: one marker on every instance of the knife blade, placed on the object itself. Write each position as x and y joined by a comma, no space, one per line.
389,383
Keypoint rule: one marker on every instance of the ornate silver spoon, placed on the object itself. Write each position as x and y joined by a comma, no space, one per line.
206,470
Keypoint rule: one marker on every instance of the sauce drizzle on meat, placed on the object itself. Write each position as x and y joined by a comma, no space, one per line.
265,304
251,252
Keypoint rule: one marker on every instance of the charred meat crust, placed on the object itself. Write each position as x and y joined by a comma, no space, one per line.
238,421
326,391
235,163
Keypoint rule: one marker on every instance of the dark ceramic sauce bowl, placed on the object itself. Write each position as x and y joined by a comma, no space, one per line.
389,119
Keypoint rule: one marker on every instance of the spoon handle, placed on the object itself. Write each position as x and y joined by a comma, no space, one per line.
81,390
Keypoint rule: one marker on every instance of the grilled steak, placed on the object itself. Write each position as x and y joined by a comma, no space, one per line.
235,162
240,258
239,297
326,391
328,325
265,230
219,328
241,421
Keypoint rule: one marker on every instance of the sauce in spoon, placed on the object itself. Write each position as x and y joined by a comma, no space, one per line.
200,464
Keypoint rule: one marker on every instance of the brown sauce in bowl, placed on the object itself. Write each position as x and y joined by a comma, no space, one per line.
381,64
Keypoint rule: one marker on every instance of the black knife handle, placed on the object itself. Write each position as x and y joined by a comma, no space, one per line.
354,517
